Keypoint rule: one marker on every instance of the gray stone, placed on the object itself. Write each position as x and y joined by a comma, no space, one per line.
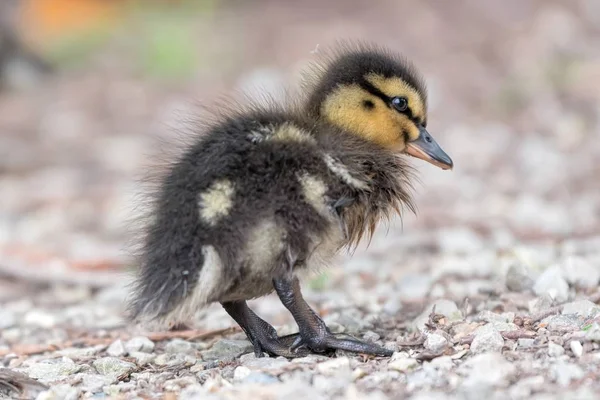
263,363
436,343
94,383
371,336
142,359
540,304
552,283
179,346
53,370
310,359
59,392
227,349
174,360
113,367
403,364
502,322
555,350
140,344
518,278
489,369
444,307
487,339
116,349
562,323
581,308
330,366
77,353
563,373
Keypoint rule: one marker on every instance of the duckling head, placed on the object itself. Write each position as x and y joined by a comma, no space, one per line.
379,96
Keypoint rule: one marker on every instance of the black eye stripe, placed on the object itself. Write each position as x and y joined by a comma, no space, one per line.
386,99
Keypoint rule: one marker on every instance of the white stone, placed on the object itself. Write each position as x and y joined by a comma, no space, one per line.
241,373
552,283
436,343
330,366
403,364
555,350
116,348
576,348
579,271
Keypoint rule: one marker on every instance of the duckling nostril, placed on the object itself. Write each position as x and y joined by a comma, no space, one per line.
428,139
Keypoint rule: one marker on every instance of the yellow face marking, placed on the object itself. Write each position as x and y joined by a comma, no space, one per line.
345,107
216,201
394,87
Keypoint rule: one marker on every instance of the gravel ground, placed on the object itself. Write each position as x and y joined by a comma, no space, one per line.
490,292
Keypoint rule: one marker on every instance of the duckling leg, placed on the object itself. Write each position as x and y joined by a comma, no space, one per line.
262,335
313,331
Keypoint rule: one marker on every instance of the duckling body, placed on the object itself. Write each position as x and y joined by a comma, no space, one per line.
267,195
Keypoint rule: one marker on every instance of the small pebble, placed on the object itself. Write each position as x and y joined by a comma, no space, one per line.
116,349
555,350
335,364
436,343
403,364
525,343
140,344
576,348
487,339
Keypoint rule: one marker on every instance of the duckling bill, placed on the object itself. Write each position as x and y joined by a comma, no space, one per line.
268,194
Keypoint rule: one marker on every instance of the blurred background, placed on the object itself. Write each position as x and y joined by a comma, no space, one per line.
88,87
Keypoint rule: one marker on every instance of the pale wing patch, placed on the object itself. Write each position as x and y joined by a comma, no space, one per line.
395,86
265,244
314,190
342,172
289,132
206,286
216,202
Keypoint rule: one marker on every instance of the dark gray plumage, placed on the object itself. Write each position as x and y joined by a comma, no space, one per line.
266,194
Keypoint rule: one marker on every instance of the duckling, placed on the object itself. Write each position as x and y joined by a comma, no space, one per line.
267,194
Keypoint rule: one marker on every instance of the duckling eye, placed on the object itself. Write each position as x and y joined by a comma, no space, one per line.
400,103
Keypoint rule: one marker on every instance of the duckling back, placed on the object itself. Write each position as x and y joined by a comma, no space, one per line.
253,192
